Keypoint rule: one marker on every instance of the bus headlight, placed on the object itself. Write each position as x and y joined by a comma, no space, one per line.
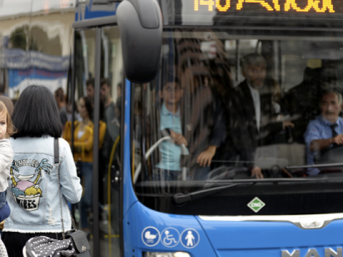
166,254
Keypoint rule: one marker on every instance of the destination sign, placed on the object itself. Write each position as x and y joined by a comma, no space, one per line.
276,6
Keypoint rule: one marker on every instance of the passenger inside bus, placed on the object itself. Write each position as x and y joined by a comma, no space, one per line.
61,105
303,100
112,131
112,126
326,131
83,153
108,154
90,89
254,111
170,125
264,124
204,124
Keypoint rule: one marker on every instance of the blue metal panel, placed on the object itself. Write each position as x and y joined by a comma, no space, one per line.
242,238
88,10
145,229
141,222
272,252
128,194
148,230
137,217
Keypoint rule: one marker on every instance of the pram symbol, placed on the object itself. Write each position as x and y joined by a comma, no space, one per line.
151,236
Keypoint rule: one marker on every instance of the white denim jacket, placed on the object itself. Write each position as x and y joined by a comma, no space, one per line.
33,194
6,158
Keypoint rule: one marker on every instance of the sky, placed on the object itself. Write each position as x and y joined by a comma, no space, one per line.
13,7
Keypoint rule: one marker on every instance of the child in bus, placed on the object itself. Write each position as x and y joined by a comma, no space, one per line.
6,158
170,124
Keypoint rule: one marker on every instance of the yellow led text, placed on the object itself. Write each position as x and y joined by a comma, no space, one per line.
223,8
290,4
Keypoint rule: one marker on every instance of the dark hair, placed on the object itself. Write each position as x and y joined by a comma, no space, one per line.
88,105
36,114
105,81
59,94
253,59
90,82
171,79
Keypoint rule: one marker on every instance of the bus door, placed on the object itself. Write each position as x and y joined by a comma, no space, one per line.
97,77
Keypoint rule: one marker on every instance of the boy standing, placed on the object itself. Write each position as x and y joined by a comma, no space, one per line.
170,122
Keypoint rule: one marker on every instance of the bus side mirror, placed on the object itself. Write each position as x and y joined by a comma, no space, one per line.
140,25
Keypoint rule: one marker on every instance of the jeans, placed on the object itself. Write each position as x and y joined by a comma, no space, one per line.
165,180
166,175
86,201
201,173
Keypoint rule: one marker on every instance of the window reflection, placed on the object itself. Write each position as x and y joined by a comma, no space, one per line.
19,7
225,107
83,153
109,167
110,152
109,163
35,49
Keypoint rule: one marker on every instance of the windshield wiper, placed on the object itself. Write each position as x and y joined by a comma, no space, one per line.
210,183
181,198
325,165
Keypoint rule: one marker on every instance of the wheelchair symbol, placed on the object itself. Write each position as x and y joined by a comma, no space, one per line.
168,240
170,237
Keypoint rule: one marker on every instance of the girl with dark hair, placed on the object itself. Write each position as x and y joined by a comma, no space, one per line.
33,192
83,152
33,116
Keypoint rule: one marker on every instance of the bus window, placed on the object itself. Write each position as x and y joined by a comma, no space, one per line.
81,138
111,89
237,110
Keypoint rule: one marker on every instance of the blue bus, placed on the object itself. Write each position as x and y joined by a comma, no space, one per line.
191,163
209,107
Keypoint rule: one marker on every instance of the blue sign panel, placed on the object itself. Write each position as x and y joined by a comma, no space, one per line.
151,236
190,238
91,9
170,237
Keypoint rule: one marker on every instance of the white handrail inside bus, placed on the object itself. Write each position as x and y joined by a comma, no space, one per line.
184,151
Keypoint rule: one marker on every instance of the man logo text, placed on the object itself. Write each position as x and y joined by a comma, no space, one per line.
329,252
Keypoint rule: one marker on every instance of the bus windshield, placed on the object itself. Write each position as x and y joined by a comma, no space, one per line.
251,113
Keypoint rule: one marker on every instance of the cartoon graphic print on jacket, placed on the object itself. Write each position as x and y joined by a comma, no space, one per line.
25,188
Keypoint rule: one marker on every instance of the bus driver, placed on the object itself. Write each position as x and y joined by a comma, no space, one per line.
326,130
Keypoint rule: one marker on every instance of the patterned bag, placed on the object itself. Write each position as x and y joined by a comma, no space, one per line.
74,243
3,250
41,246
